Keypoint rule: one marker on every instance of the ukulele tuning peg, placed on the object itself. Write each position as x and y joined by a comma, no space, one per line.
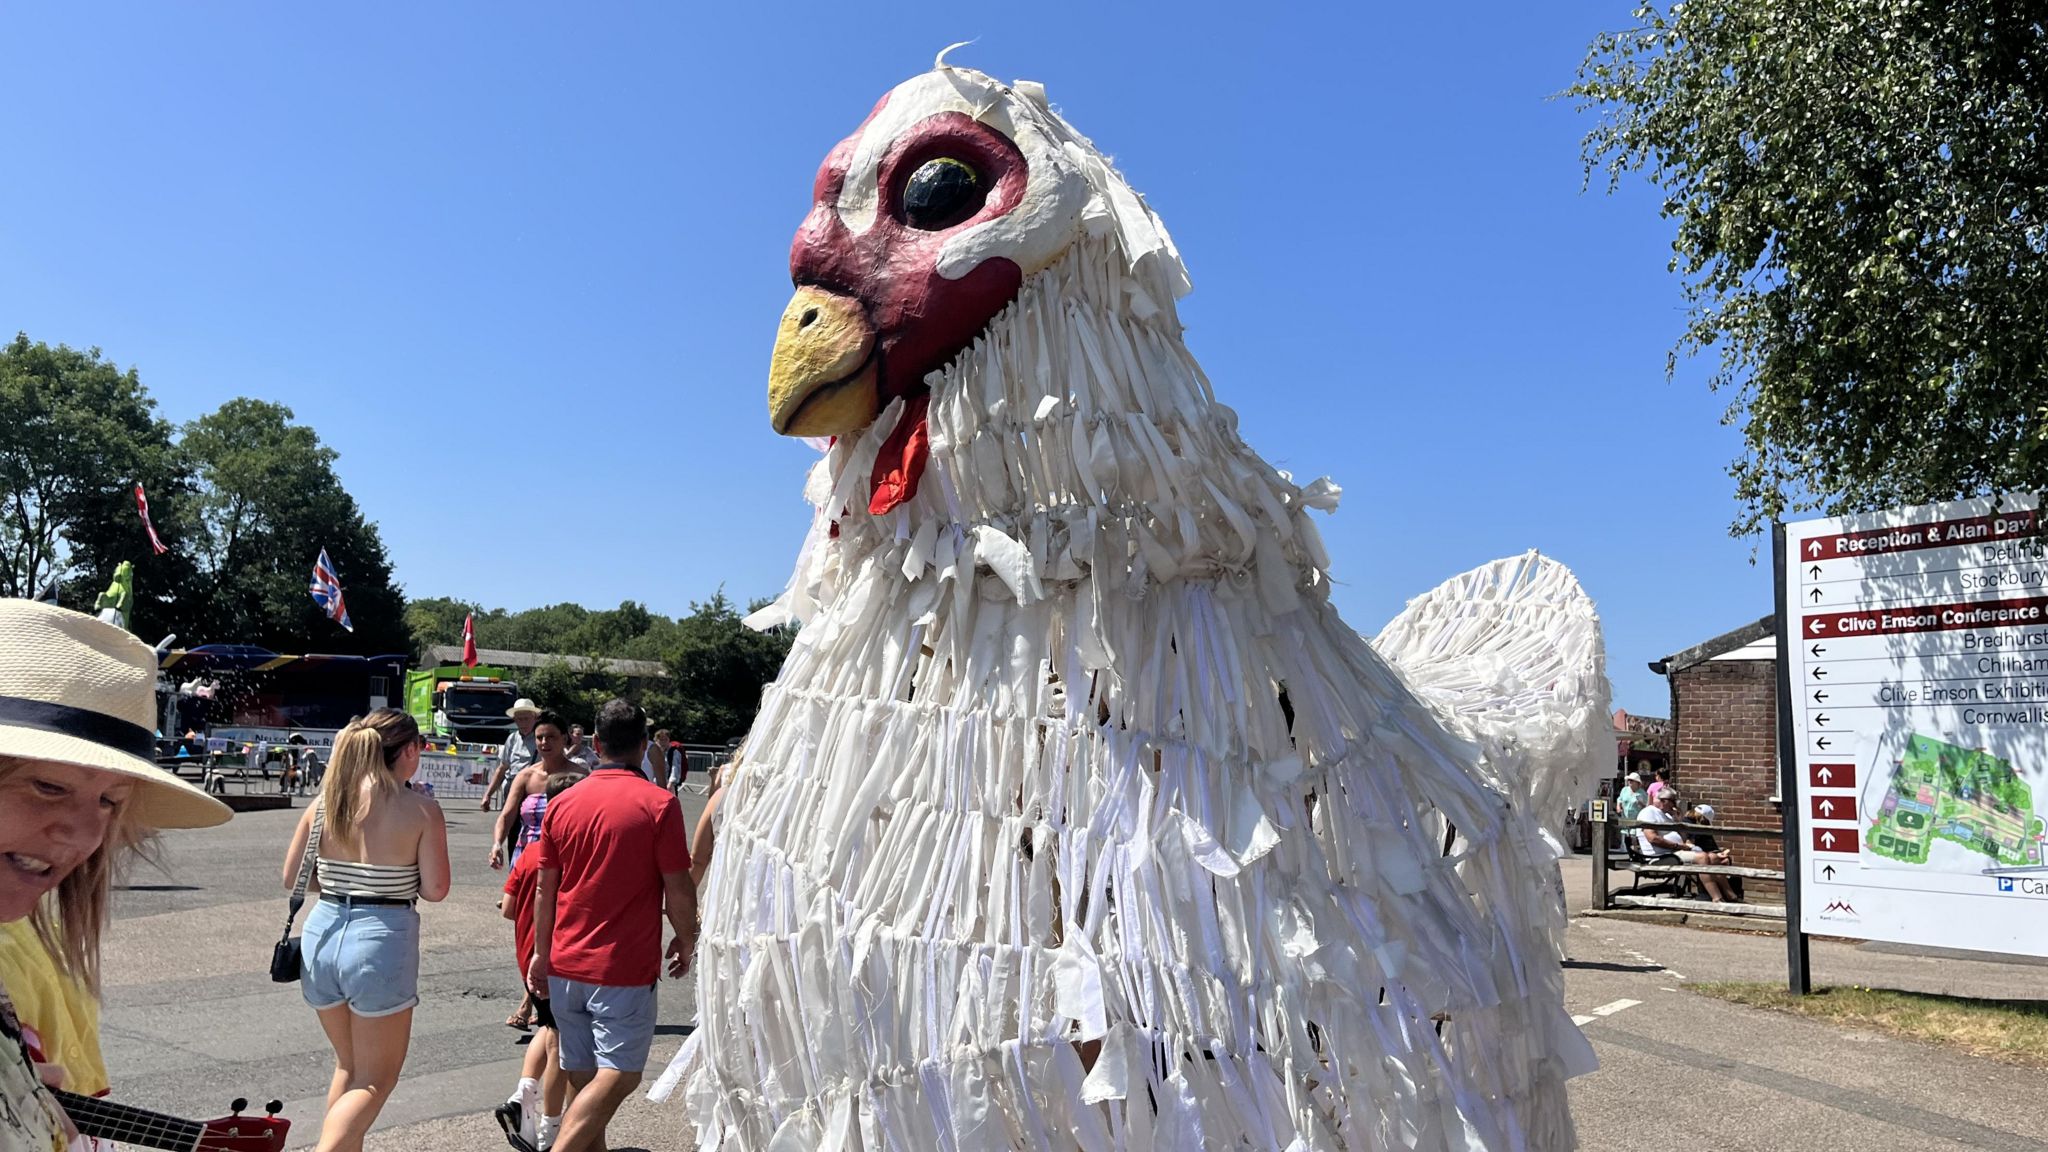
274,1107
237,1104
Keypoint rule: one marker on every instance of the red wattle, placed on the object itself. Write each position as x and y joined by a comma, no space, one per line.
904,454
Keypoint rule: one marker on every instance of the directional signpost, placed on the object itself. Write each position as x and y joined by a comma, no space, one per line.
1913,726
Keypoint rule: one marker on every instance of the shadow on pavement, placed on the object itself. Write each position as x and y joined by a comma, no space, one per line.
1611,966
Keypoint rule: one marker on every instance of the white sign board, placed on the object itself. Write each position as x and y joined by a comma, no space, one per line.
314,737
455,777
1918,677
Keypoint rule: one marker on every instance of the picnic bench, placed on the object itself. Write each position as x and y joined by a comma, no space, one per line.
1668,877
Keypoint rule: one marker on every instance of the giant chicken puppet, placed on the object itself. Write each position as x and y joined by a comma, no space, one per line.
1077,818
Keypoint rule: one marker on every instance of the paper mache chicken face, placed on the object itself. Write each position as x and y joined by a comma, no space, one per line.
927,220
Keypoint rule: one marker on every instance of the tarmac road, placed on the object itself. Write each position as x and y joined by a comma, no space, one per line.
192,1020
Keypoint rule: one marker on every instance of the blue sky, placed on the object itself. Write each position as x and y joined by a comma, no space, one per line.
546,247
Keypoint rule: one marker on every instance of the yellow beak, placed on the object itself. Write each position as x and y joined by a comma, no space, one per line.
821,378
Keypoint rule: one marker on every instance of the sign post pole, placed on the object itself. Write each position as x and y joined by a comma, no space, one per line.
1599,825
1798,974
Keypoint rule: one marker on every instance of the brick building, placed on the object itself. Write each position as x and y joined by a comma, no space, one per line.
1724,751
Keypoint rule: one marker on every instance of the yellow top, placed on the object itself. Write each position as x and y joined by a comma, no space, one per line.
62,1014
29,1119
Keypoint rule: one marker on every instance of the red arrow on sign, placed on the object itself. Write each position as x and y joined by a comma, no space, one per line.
1831,775
1834,840
1834,808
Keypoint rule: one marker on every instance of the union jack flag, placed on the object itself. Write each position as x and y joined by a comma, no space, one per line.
326,589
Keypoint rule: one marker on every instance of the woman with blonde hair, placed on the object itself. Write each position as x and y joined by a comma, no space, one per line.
78,790
377,847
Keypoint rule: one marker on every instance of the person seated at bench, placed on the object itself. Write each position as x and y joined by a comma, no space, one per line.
1704,814
1667,844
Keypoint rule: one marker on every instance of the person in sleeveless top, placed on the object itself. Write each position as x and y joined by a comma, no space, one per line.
526,804
382,847
526,796
78,790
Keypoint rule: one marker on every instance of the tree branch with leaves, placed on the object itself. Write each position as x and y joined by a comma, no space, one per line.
1860,189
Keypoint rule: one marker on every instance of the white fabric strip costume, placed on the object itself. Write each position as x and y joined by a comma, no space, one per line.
1077,817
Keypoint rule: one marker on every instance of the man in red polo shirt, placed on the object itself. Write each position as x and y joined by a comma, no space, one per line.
614,858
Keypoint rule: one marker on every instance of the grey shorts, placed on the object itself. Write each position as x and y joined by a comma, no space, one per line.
601,1026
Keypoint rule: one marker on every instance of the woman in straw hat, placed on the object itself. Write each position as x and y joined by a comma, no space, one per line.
78,790
382,847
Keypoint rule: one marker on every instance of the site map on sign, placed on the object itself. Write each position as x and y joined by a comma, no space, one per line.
1963,795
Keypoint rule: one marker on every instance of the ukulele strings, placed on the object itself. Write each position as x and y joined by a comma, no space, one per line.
120,1122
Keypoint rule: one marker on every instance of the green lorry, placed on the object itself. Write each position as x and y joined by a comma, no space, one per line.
452,702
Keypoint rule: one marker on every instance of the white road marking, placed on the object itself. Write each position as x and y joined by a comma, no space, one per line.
1604,1010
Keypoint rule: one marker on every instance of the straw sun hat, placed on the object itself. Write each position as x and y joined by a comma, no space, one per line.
74,690
522,705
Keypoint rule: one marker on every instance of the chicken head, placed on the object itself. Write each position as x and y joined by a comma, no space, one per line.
926,221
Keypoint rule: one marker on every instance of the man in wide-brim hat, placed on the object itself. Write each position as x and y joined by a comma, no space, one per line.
518,751
79,786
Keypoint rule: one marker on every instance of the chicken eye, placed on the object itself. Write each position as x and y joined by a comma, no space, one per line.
941,193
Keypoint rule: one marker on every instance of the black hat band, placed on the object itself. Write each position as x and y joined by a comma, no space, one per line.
82,723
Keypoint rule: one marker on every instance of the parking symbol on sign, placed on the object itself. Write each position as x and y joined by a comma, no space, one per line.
2005,883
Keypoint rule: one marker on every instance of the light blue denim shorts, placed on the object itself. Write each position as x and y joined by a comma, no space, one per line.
364,956
601,1026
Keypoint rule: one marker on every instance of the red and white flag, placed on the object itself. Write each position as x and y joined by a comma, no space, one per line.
142,506
469,641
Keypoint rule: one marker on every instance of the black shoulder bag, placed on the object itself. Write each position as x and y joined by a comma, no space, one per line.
285,955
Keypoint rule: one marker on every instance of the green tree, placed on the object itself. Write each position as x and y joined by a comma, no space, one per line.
561,687
76,435
266,501
438,620
1860,189
717,667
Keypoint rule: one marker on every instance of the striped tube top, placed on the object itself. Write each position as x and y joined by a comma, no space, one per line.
386,881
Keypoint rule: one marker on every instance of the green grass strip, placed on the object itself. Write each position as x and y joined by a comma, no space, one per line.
2014,1031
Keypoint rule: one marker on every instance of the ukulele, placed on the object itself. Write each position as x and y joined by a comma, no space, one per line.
107,1120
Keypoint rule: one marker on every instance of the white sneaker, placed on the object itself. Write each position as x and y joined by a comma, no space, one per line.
550,1127
527,1096
511,1117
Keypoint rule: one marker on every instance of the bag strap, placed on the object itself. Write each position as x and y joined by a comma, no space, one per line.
306,867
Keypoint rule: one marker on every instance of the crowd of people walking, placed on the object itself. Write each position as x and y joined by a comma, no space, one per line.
599,873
